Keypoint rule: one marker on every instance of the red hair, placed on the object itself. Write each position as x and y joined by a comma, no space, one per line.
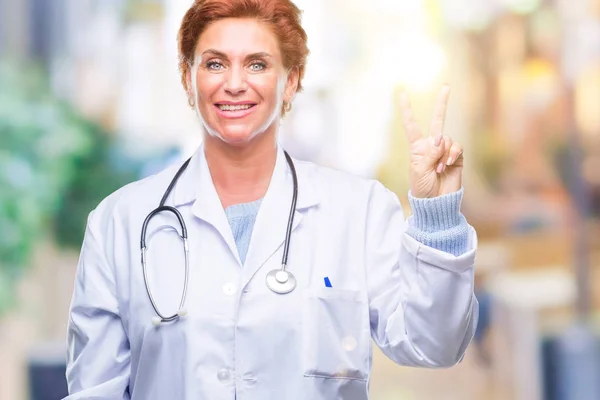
282,16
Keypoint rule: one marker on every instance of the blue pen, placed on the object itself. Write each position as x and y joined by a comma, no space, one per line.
327,283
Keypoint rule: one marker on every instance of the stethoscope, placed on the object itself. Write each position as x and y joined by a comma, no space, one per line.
280,280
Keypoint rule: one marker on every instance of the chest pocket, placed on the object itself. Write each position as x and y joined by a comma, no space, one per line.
335,334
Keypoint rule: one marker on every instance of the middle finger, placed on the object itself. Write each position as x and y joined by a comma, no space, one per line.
439,114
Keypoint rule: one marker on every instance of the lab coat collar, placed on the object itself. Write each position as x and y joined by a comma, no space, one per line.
197,179
195,185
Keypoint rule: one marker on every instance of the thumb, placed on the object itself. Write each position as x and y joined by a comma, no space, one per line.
435,153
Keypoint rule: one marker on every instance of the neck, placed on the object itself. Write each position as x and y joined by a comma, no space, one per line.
241,173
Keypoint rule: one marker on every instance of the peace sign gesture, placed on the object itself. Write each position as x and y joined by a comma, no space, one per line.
436,162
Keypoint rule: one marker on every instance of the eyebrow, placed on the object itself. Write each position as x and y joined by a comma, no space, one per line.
260,54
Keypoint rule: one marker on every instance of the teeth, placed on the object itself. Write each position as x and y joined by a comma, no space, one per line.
226,107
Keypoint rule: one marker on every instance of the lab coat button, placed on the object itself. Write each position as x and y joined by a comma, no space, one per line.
224,375
229,289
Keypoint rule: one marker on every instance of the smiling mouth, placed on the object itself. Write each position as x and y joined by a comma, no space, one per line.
232,107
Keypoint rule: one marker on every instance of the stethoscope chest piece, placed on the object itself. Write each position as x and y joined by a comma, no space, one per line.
281,281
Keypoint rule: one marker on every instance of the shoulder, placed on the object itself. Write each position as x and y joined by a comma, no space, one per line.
141,195
345,186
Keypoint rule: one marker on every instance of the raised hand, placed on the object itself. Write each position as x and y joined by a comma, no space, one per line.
436,162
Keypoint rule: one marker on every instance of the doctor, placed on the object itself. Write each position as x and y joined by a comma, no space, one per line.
225,319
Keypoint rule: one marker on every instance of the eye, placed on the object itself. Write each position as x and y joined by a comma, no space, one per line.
257,66
214,65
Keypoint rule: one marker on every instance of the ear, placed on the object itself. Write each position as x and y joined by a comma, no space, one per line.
291,85
188,79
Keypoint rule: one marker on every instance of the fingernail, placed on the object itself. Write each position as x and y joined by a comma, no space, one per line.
450,160
440,168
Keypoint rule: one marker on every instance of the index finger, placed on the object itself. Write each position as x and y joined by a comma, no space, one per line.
413,133
439,114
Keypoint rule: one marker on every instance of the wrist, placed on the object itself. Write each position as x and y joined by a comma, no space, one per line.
436,213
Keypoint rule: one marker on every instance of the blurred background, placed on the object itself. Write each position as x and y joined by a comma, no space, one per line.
90,99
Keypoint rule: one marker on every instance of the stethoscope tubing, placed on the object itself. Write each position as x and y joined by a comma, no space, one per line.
184,236
288,232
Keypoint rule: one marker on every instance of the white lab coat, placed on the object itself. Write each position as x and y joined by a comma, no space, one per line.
239,339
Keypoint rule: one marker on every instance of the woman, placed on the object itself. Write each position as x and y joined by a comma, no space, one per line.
246,329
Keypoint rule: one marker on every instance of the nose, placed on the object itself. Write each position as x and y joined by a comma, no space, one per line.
235,81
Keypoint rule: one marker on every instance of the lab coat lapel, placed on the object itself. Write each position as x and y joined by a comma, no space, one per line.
271,222
197,186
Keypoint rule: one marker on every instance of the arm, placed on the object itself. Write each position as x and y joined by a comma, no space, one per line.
98,355
422,308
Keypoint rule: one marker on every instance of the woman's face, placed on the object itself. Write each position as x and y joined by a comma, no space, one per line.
238,80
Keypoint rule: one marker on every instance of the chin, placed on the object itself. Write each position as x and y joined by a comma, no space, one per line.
234,136
238,134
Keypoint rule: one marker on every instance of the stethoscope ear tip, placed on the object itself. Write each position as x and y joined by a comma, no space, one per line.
182,312
156,321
